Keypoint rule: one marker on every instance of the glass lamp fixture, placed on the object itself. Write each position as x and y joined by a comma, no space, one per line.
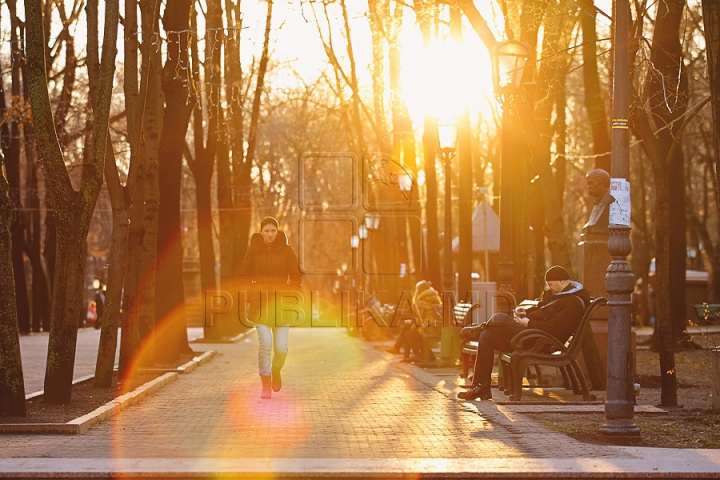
509,60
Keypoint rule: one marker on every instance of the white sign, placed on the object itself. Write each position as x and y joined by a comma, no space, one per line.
620,208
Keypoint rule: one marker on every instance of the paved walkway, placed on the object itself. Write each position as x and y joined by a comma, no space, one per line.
33,349
346,408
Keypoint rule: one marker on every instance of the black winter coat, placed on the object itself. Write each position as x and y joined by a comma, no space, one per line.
273,264
559,314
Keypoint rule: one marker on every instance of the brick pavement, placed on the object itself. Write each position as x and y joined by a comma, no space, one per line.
342,400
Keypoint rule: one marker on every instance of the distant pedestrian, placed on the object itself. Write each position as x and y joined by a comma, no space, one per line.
99,305
91,314
270,265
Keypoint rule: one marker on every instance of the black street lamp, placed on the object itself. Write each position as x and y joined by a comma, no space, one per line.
446,135
509,60
620,281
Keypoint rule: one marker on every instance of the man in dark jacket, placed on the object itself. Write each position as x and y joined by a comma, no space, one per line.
558,313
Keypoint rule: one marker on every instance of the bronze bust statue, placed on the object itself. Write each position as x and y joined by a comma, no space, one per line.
597,182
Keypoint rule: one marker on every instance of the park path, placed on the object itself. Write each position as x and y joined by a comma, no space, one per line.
342,398
347,407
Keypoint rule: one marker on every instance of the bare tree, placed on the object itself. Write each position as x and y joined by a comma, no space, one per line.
11,150
12,386
74,208
654,118
711,21
127,200
207,140
179,103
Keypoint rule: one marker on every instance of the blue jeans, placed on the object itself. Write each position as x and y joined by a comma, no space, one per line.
265,347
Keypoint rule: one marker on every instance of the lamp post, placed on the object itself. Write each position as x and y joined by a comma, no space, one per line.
619,281
446,135
508,64
354,244
362,235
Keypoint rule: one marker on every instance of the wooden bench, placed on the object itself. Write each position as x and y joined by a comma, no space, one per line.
536,347
469,350
462,318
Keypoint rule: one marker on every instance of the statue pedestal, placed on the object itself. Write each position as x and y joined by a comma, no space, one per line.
595,260
593,267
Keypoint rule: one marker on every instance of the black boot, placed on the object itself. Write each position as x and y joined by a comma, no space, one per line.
266,391
481,392
276,379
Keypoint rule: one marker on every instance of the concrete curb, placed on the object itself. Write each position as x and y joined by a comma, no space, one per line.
39,393
185,367
81,425
84,423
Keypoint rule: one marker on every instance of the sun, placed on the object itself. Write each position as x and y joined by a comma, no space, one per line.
446,77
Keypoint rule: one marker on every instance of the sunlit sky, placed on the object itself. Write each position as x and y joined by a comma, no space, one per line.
440,81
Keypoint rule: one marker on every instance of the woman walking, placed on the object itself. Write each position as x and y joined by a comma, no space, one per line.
271,265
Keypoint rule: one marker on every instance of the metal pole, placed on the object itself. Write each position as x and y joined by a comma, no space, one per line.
487,257
506,268
619,281
465,210
447,248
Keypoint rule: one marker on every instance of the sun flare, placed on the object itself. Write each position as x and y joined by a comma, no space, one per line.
446,78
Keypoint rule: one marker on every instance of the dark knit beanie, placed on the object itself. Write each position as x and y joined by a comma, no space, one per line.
269,221
555,273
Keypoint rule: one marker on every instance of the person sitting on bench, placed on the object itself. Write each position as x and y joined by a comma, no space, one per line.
558,313
401,342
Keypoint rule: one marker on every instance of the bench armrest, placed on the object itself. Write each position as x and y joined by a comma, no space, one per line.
541,341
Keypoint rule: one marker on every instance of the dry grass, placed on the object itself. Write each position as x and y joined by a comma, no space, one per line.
692,424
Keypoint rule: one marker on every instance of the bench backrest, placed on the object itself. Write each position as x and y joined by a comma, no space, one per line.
574,343
462,313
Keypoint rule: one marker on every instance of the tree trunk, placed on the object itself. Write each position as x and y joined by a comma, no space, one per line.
67,306
665,101
50,247
180,101
711,22
149,151
232,242
424,13
663,323
594,100
12,169
11,149
431,205
73,209
554,223
133,261
206,144
12,386
115,276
